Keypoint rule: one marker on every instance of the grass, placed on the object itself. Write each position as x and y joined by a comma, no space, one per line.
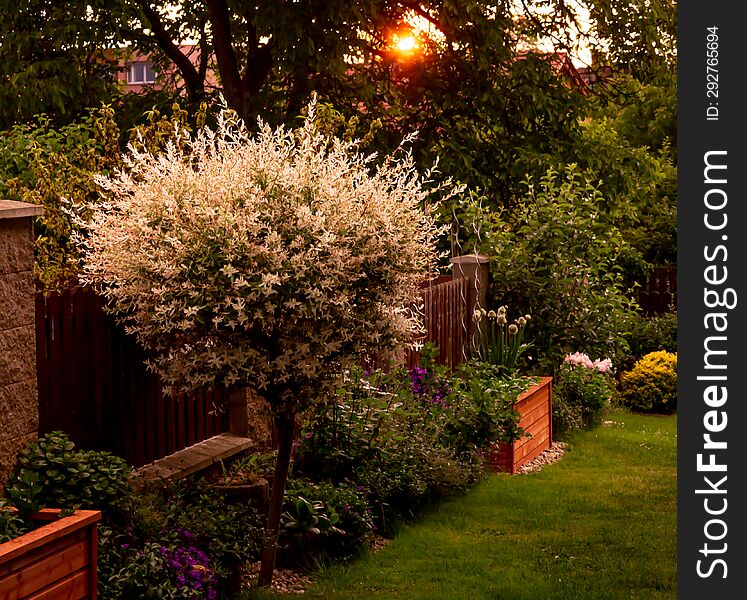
600,523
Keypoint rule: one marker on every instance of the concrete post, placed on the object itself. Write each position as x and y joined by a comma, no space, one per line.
249,417
475,268
237,412
19,408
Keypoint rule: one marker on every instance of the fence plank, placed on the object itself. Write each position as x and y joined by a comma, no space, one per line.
94,386
659,293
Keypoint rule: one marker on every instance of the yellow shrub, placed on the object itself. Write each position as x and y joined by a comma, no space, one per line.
651,386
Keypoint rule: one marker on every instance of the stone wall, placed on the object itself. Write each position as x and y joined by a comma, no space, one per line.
19,413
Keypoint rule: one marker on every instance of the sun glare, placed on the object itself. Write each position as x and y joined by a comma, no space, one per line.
406,43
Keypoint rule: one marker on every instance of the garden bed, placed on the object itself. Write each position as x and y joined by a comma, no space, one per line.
56,560
535,410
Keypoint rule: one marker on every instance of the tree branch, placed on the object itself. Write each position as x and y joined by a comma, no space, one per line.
228,67
195,84
417,8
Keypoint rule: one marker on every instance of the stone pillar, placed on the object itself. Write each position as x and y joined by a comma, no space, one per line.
249,417
19,408
475,268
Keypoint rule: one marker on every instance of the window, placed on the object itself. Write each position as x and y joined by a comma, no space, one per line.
141,72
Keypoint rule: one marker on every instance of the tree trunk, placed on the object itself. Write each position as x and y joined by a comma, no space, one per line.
285,426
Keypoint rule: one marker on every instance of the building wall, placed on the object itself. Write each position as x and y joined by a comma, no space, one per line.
167,79
19,414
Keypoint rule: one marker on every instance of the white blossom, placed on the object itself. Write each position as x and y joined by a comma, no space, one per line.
265,260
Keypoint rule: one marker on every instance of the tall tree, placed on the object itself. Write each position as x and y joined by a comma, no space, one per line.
52,60
269,261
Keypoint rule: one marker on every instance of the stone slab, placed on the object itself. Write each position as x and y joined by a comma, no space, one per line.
196,458
12,209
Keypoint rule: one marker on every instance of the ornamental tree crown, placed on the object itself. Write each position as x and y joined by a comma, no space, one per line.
264,260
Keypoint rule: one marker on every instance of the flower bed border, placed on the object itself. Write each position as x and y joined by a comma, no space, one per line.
535,410
58,559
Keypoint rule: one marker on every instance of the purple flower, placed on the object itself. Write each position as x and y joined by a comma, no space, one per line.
191,566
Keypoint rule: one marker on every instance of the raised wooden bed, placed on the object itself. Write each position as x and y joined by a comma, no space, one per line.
54,561
535,408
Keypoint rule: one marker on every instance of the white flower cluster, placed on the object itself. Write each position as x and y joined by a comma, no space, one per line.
264,260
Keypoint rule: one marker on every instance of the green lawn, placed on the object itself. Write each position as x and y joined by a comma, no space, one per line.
600,523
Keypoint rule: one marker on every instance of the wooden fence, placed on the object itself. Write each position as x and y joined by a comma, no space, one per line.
659,293
446,321
93,385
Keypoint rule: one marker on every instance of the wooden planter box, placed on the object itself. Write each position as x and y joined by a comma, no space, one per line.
535,408
54,561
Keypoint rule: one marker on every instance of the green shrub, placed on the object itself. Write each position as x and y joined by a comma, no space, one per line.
159,530
555,259
654,332
410,436
581,392
129,571
41,165
348,503
11,523
51,472
482,397
651,386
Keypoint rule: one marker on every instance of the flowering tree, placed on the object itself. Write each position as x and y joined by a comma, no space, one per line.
265,261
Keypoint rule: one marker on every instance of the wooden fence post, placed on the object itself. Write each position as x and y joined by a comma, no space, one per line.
18,391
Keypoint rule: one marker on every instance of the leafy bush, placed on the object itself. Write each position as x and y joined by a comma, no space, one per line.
189,510
42,165
174,539
582,391
348,503
11,523
324,519
554,259
483,408
651,386
152,570
410,436
51,472
652,333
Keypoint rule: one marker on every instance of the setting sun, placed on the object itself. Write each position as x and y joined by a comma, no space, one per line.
406,43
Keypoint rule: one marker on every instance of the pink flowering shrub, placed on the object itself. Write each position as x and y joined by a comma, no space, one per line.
582,392
577,358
